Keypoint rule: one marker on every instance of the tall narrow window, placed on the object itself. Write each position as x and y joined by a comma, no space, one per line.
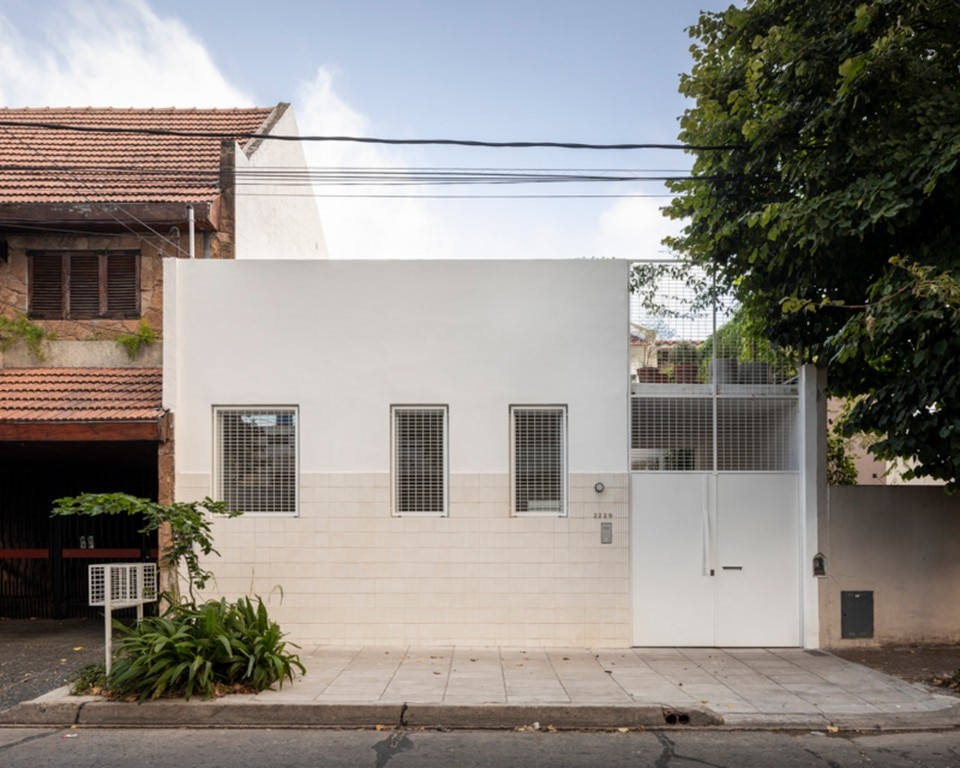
538,462
255,467
84,285
419,459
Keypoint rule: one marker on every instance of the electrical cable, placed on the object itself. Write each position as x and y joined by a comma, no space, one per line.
367,139
347,176
110,213
372,196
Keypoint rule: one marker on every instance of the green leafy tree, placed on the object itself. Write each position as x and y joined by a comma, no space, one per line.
841,469
188,525
825,194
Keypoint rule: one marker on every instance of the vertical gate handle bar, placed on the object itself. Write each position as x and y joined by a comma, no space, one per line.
705,526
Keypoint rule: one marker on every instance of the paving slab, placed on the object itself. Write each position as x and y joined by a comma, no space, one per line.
462,687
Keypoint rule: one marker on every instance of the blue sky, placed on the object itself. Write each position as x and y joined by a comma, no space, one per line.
564,70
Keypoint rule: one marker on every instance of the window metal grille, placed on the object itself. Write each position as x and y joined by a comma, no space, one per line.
672,434
757,434
84,284
256,459
538,442
419,460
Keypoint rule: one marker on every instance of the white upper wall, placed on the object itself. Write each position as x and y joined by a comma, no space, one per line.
277,220
344,340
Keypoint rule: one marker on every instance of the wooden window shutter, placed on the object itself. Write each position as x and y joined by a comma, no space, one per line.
123,288
46,285
84,285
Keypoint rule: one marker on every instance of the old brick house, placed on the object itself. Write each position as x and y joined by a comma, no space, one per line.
91,202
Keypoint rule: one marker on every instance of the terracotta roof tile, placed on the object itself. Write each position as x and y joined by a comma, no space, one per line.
39,165
80,394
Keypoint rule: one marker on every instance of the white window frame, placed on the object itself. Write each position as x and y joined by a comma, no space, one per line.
396,465
517,472
219,471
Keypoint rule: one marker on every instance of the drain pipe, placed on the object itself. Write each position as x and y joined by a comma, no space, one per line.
191,225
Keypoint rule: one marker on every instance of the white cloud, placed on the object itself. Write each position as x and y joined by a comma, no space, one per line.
362,228
633,228
122,53
477,229
116,53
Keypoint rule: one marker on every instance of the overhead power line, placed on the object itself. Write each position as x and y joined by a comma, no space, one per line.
125,224
348,176
363,139
454,196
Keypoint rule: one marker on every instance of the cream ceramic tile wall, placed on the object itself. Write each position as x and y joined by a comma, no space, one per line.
345,572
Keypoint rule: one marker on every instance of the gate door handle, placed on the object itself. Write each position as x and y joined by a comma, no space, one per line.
732,567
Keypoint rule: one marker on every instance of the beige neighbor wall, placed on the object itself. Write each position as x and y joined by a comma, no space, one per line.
901,543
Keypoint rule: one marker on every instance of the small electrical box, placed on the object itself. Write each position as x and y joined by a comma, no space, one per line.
856,614
606,533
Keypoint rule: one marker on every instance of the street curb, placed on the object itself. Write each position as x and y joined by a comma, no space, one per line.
35,713
59,709
247,712
215,714
558,716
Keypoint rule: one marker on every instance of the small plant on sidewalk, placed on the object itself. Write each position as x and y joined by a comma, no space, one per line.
89,680
208,649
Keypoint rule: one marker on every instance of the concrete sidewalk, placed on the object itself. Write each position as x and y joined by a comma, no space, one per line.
561,688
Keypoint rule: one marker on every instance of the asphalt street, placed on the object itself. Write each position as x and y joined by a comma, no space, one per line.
38,656
156,748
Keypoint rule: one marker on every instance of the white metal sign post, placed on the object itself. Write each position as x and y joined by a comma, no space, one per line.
121,585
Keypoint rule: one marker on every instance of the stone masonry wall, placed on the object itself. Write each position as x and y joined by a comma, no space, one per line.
14,287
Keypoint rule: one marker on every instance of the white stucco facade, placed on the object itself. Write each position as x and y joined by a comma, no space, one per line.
276,213
344,341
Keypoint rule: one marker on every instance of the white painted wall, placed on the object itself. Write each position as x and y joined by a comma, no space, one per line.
277,220
813,501
345,340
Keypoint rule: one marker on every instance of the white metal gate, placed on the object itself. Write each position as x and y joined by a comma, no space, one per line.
716,515
716,452
716,559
